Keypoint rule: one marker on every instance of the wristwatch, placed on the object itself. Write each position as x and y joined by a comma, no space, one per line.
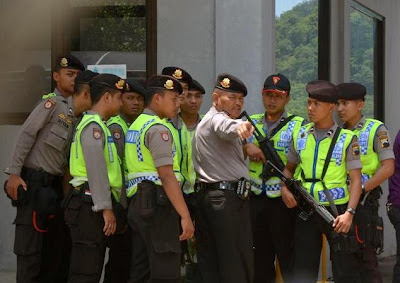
351,210
363,188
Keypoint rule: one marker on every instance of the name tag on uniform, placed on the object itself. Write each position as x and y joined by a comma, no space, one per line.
132,136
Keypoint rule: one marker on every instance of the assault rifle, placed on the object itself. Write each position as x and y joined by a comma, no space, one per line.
274,167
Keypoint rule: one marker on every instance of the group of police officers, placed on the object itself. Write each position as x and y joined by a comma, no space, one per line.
106,162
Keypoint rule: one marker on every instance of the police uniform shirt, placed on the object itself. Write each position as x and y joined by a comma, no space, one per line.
382,134
158,140
96,167
217,149
352,159
193,127
44,139
270,126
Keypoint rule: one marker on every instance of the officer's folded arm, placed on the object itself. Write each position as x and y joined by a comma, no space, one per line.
174,193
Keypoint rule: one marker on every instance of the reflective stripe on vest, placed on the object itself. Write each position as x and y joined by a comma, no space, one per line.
281,140
77,160
312,158
139,161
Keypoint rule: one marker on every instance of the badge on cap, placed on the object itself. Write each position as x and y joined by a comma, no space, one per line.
64,62
97,133
226,83
49,103
127,87
169,84
164,135
276,80
178,74
120,84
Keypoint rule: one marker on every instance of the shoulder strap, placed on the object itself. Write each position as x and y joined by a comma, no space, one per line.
281,125
327,160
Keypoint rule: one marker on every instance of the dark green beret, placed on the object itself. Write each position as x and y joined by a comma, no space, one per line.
230,83
134,86
178,73
69,62
109,80
351,91
323,91
164,82
197,86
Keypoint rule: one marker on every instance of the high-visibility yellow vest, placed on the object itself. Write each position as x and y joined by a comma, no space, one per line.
312,159
139,161
369,158
281,140
77,160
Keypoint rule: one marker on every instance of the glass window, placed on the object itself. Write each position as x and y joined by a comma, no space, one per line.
25,69
363,52
296,35
103,34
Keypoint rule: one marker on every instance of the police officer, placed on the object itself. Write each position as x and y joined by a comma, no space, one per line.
153,175
223,230
180,133
37,164
309,150
272,221
96,178
120,253
377,159
190,106
64,74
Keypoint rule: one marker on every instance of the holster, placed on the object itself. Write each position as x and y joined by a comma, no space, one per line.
45,207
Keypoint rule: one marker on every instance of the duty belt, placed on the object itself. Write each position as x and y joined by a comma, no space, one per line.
223,185
41,176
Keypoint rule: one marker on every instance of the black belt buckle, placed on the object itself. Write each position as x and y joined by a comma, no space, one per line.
243,189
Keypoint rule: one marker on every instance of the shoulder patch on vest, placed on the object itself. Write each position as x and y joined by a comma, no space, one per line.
97,133
164,135
49,103
117,134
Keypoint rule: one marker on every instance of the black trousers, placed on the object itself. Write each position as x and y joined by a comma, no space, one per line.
273,233
393,212
308,243
88,240
224,238
119,257
41,256
369,261
156,250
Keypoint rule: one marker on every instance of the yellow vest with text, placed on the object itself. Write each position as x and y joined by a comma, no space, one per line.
369,158
77,160
183,143
281,140
139,161
312,159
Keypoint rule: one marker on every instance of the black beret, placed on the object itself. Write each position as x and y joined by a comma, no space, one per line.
277,83
351,91
164,82
197,86
69,62
178,73
134,86
85,77
230,83
109,80
323,91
